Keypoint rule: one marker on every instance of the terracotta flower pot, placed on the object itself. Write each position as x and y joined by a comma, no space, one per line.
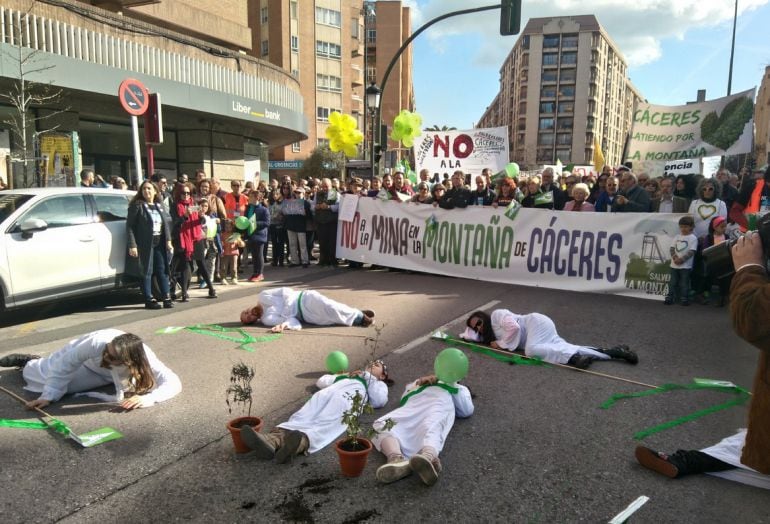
353,462
235,431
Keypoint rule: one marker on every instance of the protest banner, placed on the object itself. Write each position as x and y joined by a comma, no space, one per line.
718,127
469,151
616,253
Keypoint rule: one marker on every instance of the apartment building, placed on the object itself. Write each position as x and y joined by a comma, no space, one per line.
222,109
333,48
563,84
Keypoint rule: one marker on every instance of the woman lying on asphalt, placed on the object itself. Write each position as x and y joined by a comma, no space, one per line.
107,356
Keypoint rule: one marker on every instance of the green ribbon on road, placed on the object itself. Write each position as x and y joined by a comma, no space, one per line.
56,425
217,331
742,397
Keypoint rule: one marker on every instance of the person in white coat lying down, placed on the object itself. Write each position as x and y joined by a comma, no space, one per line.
100,358
285,308
319,421
536,334
421,426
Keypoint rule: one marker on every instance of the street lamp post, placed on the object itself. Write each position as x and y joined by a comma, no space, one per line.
373,103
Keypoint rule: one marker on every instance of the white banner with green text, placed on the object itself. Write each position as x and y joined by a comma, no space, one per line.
616,253
724,126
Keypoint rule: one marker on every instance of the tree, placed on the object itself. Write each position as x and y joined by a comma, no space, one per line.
442,128
23,95
322,163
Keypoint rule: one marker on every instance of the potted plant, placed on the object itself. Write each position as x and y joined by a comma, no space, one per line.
239,392
354,448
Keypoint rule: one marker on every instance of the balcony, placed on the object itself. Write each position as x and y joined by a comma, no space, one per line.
356,105
357,48
357,76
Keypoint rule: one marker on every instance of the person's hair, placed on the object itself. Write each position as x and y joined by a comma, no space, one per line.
582,187
713,182
534,180
436,187
258,311
139,197
85,172
687,221
507,182
178,188
487,335
130,351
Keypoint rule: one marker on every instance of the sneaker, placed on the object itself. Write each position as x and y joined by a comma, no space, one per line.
294,443
212,293
658,462
396,469
152,304
580,361
257,278
262,446
16,360
425,467
224,282
234,282
201,285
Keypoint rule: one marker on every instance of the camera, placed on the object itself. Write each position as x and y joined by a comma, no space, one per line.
718,258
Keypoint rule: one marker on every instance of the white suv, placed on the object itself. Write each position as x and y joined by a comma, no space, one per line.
60,242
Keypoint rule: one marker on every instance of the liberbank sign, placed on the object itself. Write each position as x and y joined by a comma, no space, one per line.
266,113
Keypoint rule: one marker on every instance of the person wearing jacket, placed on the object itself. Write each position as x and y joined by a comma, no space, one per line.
257,239
325,208
100,358
148,230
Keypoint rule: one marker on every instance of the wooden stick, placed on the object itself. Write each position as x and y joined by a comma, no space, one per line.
90,405
326,334
508,353
17,397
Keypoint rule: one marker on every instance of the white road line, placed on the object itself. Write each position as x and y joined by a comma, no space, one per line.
416,342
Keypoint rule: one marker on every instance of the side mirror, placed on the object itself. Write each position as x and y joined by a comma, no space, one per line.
28,227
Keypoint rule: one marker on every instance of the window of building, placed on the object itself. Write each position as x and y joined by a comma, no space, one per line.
371,75
294,43
550,59
328,49
547,107
295,147
522,124
355,29
564,139
523,93
293,10
567,75
569,58
263,15
569,41
545,156
525,42
328,16
566,108
565,123
265,47
564,155
295,73
590,123
549,75
328,82
546,123
545,139
322,113
548,92
371,36
550,41
567,91
323,142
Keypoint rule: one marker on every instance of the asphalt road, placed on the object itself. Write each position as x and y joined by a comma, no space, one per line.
537,450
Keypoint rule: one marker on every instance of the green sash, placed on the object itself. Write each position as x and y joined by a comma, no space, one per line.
446,387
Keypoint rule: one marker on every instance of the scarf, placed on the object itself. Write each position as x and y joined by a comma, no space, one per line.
190,230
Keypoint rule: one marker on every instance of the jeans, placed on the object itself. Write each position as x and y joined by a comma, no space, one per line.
679,285
297,243
257,251
158,267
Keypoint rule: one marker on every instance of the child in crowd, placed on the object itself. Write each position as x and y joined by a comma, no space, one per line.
210,226
231,242
682,252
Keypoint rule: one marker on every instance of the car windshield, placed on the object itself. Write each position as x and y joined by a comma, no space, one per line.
10,202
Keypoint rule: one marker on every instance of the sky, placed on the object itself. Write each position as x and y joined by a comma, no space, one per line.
673,48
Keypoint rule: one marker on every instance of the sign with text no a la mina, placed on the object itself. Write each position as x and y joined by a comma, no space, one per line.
469,151
615,253
723,126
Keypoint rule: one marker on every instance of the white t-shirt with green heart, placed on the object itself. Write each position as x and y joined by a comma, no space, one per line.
682,244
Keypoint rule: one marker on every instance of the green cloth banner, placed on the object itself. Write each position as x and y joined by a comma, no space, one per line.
447,387
216,331
356,377
743,396
56,425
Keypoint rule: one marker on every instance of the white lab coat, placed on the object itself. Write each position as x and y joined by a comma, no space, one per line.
426,418
536,333
321,416
77,367
729,450
281,305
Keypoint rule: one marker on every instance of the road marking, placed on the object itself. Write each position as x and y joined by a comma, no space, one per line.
416,342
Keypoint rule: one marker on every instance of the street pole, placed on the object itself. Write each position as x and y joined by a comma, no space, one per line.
376,124
732,52
137,153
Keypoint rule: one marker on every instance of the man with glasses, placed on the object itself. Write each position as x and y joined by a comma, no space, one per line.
536,334
667,202
550,184
632,197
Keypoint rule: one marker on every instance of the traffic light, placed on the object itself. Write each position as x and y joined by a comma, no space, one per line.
510,17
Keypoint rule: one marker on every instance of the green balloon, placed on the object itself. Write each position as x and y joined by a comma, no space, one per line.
336,362
451,365
242,222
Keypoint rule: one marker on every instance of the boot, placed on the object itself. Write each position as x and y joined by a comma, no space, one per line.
396,468
621,352
427,466
681,463
263,445
294,443
167,302
152,304
16,360
580,361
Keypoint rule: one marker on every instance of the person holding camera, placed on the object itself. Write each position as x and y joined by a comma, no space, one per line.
745,456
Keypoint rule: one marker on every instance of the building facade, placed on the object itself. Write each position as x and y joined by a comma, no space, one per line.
563,85
222,108
333,48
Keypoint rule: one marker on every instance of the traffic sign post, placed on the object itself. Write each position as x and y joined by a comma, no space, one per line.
135,100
